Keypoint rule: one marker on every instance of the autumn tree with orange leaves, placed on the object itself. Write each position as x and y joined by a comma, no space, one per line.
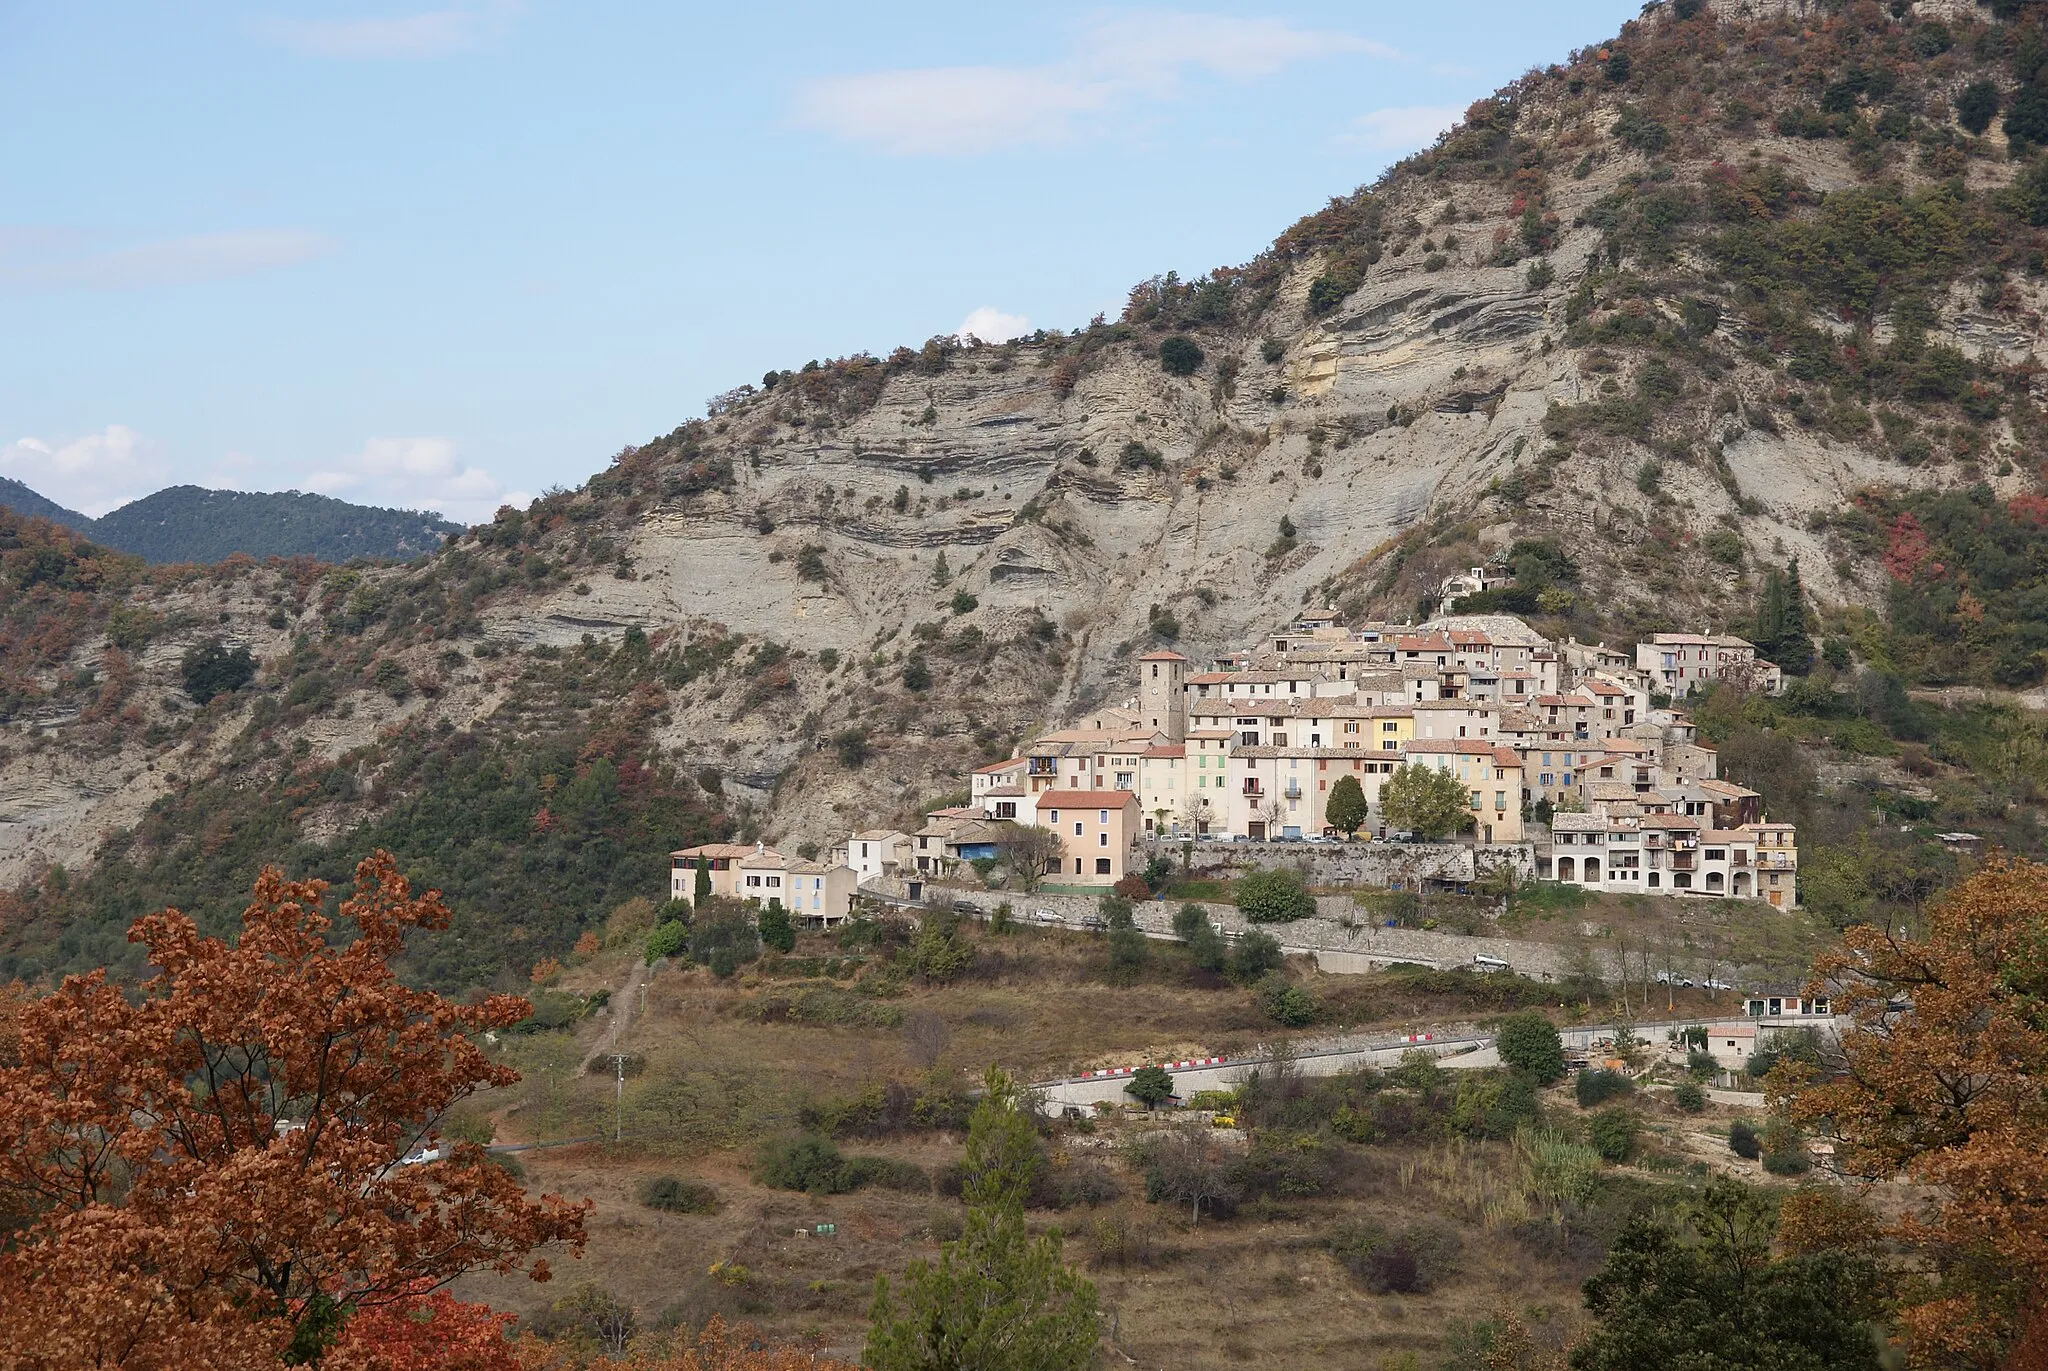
1945,1083
207,1171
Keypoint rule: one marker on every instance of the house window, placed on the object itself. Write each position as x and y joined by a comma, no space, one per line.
1101,866
1077,828
1102,840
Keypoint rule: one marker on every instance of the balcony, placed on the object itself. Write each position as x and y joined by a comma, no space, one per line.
1293,791
1254,790
1682,861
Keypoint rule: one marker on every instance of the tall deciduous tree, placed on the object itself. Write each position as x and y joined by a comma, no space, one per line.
1425,799
995,1300
1946,1083
208,1171
1026,851
1529,1042
1346,807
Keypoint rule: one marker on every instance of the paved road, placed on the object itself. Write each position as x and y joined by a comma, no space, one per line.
1459,1049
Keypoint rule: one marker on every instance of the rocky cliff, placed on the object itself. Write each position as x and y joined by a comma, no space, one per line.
1665,308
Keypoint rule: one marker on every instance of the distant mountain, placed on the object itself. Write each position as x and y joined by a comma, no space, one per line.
22,500
192,524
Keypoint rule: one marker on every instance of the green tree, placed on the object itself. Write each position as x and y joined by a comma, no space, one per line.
1976,106
776,930
1206,948
701,890
1273,897
1346,807
1781,633
1529,1042
1180,355
1256,954
1423,799
212,668
1150,1086
995,1300
1612,1133
1128,949
1713,1300
666,940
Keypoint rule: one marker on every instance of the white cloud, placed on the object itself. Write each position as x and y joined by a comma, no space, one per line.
1115,60
430,33
92,474
50,259
415,473
1401,129
991,325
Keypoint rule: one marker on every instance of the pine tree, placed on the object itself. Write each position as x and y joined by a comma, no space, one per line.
995,1300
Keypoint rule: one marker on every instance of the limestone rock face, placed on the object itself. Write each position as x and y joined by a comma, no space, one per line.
1091,506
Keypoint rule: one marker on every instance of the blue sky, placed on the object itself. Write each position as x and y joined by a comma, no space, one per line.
450,256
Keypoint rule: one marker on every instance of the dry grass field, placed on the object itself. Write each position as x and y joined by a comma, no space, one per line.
720,1068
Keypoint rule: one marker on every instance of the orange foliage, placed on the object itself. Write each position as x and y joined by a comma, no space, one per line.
425,1332
195,1166
586,946
1949,1092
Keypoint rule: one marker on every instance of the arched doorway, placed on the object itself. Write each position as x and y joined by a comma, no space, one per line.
1566,869
1592,870
1742,885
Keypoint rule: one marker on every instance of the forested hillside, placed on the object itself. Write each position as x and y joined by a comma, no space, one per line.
192,524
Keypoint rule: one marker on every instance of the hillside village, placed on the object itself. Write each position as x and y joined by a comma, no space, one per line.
1578,764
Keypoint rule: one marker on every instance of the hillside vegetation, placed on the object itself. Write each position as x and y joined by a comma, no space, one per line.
1721,323
192,524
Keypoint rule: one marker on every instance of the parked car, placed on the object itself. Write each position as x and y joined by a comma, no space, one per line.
1091,921
1711,984
1044,916
1482,962
1403,835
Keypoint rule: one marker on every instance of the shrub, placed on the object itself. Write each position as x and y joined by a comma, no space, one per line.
1287,1005
852,747
813,1165
1976,105
666,940
1743,1141
1529,1042
1598,1086
1132,887
917,675
1179,355
1411,1262
1612,1133
776,930
1256,954
212,668
1273,897
964,603
1271,350
1128,950
724,944
672,1195
1688,1096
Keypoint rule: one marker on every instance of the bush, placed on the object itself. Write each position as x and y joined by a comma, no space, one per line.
1976,106
1128,950
1256,954
1612,1133
1274,897
1743,1141
1598,1086
1411,1262
1688,1096
1529,1042
776,930
813,1165
212,668
724,944
1287,1005
666,940
672,1195
1180,355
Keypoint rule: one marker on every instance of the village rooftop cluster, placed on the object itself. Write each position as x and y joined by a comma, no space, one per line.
1582,755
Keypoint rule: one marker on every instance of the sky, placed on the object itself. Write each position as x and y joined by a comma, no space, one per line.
449,254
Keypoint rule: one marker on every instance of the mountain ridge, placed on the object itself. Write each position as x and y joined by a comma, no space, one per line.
189,523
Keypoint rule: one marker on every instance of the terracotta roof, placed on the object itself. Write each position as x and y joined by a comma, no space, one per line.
879,835
716,850
998,766
1171,750
1162,656
1085,799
